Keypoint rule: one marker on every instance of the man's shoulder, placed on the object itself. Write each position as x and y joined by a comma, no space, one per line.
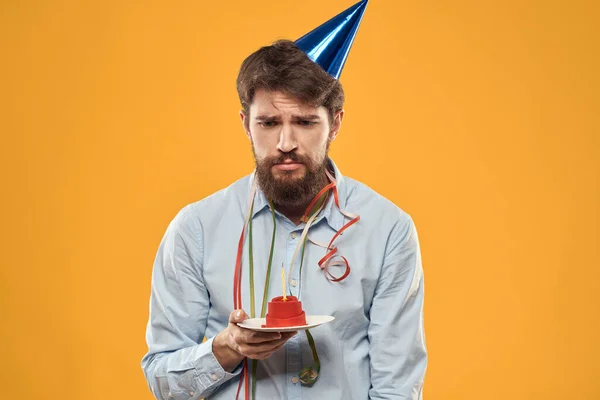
235,193
381,218
224,202
365,201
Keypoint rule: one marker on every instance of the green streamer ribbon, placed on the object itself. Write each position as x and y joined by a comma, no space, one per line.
263,310
308,375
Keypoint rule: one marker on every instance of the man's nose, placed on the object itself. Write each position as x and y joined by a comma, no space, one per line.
287,139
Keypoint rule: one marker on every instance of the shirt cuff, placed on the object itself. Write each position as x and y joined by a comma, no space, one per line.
210,371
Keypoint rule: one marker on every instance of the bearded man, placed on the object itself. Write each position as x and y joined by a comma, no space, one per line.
346,250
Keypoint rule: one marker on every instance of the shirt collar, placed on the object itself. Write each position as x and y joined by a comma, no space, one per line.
331,213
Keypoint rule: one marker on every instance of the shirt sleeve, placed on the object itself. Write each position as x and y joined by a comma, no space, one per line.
398,354
178,365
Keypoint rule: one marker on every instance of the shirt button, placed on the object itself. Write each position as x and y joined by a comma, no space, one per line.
295,380
294,282
213,377
293,235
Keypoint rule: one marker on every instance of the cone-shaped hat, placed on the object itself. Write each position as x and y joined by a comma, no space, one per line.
329,44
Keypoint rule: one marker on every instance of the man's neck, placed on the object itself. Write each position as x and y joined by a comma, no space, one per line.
294,214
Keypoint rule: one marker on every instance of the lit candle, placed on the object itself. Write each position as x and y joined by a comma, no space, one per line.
283,283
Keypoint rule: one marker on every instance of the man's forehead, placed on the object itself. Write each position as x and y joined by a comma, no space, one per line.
272,104
273,116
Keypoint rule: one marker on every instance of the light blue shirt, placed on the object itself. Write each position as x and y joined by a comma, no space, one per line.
375,347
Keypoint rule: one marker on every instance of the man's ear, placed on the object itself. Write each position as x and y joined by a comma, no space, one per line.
336,125
245,123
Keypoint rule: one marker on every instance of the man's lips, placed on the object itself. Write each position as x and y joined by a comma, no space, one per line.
288,166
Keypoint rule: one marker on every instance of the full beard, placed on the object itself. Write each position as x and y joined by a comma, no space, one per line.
287,190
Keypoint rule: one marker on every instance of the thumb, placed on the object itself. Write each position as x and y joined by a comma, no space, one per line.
237,316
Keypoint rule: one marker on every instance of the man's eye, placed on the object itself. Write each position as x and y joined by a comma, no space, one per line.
306,123
268,124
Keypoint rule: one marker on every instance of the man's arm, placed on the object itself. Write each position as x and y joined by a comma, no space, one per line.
397,352
178,365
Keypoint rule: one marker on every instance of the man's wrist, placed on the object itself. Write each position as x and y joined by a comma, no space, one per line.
225,355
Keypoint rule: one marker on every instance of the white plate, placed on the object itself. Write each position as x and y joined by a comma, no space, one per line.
256,324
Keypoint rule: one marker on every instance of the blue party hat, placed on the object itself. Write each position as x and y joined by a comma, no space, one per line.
329,44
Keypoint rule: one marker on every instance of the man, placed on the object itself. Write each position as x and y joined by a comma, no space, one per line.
375,348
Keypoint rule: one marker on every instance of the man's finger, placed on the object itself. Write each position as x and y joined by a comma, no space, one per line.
266,346
251,349
237,316
255,337
261,355
252,337
288,335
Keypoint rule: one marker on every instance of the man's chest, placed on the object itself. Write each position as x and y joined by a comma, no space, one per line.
309,273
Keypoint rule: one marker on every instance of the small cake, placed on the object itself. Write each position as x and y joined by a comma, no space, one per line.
284,313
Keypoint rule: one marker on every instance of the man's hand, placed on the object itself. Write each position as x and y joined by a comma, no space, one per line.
234,343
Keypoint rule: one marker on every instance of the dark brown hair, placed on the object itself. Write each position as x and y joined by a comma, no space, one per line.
285,68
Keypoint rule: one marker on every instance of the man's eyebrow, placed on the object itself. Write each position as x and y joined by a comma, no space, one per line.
304,117
265,117
307,117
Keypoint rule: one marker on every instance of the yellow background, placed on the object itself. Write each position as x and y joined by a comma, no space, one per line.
480,119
